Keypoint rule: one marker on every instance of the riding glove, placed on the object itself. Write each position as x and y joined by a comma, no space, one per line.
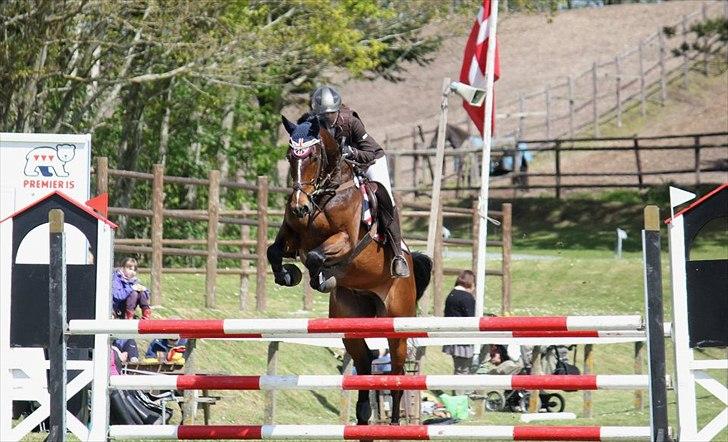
347,152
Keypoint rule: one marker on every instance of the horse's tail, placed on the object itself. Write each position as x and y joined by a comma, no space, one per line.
422,271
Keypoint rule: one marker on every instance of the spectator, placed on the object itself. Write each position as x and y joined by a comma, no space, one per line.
128,293
508,359
461,303
127,350
169,350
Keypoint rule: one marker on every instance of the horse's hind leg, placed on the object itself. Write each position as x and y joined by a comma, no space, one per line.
398,353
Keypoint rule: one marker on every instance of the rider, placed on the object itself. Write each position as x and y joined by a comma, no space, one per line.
358,146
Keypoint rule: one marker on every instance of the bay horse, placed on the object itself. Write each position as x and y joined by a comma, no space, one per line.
323,227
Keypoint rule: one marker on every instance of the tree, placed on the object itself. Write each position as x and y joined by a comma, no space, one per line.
196,85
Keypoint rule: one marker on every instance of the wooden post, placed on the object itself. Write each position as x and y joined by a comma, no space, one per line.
270,395
685,66
640,51
595,110
475,233
307,292
547,99
102,175
588,369
571,106
696,143
244,263
345,402
392,160
663,70
437,268
58,339
639,352
521,117
262,244
704,10
618,81
557,158
157,233
415,159
636,148
398,163
189,406
534,400
506,259
213,222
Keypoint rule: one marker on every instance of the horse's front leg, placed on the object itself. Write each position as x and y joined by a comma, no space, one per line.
284,246
331,251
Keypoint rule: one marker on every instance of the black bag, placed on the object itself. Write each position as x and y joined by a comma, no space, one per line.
136,407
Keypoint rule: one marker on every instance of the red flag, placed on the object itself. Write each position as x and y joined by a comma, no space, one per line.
473,69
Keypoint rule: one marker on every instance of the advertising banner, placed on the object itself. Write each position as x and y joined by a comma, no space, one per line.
34,165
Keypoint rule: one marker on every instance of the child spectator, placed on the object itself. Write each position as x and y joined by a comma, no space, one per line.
169,350
128,293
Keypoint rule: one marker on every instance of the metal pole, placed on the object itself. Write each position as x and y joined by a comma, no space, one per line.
439,159
57,320
485,169
655,333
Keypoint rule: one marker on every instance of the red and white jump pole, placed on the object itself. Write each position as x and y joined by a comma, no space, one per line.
380,382
212,328
378,432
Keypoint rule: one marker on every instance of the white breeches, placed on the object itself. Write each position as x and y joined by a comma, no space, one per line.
379,172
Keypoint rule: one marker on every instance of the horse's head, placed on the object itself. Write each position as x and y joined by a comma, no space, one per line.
311,152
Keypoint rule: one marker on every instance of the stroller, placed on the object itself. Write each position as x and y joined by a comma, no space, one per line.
518,400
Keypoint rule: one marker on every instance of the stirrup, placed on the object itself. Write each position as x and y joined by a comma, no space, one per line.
399,267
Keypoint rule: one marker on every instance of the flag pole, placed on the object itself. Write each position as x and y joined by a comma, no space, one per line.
485,164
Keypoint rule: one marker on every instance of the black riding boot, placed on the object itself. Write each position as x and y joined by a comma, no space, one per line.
398,267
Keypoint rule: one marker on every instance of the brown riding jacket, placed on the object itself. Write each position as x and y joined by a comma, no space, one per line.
348,125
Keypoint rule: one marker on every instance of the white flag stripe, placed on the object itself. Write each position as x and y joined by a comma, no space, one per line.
475,75
483,31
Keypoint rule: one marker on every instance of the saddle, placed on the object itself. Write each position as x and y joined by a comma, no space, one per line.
370,211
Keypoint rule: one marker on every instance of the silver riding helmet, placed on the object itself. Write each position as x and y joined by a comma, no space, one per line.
325,99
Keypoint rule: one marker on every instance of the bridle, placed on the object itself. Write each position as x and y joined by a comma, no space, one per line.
322,183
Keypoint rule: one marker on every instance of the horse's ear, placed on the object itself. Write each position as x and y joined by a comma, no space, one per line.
290,127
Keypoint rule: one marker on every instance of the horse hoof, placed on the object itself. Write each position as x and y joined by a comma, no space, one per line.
289,276
328,285
322,285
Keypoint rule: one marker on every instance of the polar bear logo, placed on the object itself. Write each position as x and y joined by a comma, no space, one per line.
49,161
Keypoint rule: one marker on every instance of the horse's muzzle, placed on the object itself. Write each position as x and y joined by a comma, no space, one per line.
302,210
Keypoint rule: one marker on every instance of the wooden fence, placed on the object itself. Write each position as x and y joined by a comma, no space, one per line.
695,158
600,94
252,249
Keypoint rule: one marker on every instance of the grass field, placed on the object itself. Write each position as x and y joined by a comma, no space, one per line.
569,268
